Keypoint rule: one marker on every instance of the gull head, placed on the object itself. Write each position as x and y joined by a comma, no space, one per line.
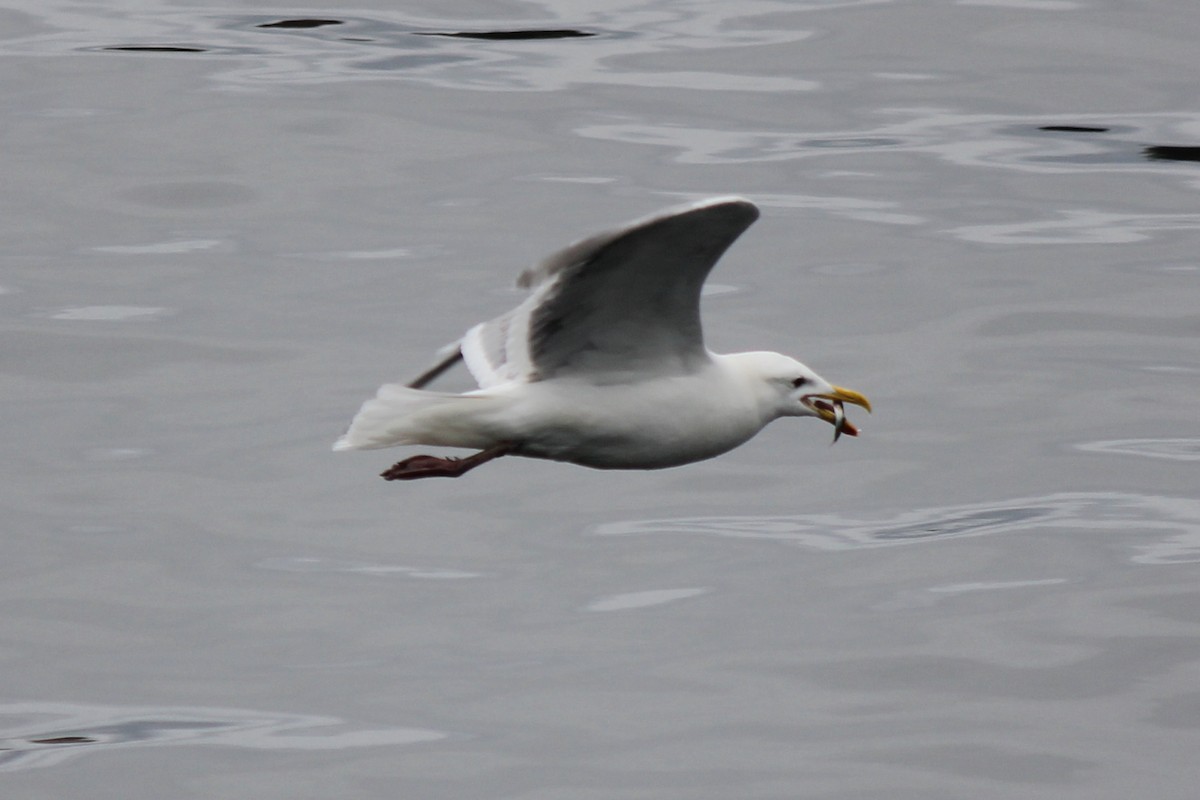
795,390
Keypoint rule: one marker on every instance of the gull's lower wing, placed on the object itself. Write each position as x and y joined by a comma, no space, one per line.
446,357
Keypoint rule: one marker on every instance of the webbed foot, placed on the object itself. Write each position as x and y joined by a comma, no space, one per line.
440,467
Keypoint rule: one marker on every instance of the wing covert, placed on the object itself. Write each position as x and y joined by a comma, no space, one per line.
628,301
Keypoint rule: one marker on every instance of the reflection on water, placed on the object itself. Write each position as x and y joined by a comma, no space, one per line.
1074,128
856,208
1172,449
152,48
580,47
651,597
175,247
1028,5
1172,153
300,23
991,586
1118,142
511,35
45,734
303,564
110,313
1171,524
1078,227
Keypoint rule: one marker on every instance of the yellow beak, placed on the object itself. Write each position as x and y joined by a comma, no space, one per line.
850,396
832,412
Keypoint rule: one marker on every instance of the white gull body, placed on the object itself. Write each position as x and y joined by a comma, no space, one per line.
604,364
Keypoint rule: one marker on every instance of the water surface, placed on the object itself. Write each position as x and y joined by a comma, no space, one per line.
224,225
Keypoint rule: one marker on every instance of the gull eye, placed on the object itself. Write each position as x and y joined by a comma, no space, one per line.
796,384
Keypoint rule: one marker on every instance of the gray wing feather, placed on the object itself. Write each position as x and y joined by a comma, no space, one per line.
616,304
628,301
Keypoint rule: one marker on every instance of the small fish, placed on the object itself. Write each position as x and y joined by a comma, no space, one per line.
839,420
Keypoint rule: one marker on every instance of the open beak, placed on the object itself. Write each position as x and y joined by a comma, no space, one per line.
829,408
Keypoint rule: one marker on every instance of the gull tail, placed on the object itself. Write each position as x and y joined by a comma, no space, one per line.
400,415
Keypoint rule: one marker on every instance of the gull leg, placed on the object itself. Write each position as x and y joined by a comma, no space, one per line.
438,467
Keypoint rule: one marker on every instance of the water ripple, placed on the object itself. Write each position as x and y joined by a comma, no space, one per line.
568,47
991,586
1172,449
45,734
1175,521
1033,144
865,210
651,597
1082,226
307,564
173,247
110,313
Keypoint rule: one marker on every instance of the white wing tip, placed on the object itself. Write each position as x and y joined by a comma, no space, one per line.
343,443
720,200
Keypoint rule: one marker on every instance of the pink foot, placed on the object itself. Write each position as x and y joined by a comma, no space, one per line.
438,467
423,467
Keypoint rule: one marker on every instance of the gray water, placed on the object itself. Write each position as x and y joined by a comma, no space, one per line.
217,238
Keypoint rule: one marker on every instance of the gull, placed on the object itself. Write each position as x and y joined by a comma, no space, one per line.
604,364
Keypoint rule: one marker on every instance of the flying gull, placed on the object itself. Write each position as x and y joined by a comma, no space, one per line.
604,364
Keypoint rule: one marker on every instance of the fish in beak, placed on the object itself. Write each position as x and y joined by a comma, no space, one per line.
829,407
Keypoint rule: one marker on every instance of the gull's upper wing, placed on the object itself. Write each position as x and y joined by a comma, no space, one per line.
616,304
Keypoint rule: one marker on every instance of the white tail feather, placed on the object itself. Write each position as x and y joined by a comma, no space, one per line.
399,415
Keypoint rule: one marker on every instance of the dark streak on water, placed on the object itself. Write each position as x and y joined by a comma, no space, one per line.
155,48
300,23
1162,152
511,35
1073,129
